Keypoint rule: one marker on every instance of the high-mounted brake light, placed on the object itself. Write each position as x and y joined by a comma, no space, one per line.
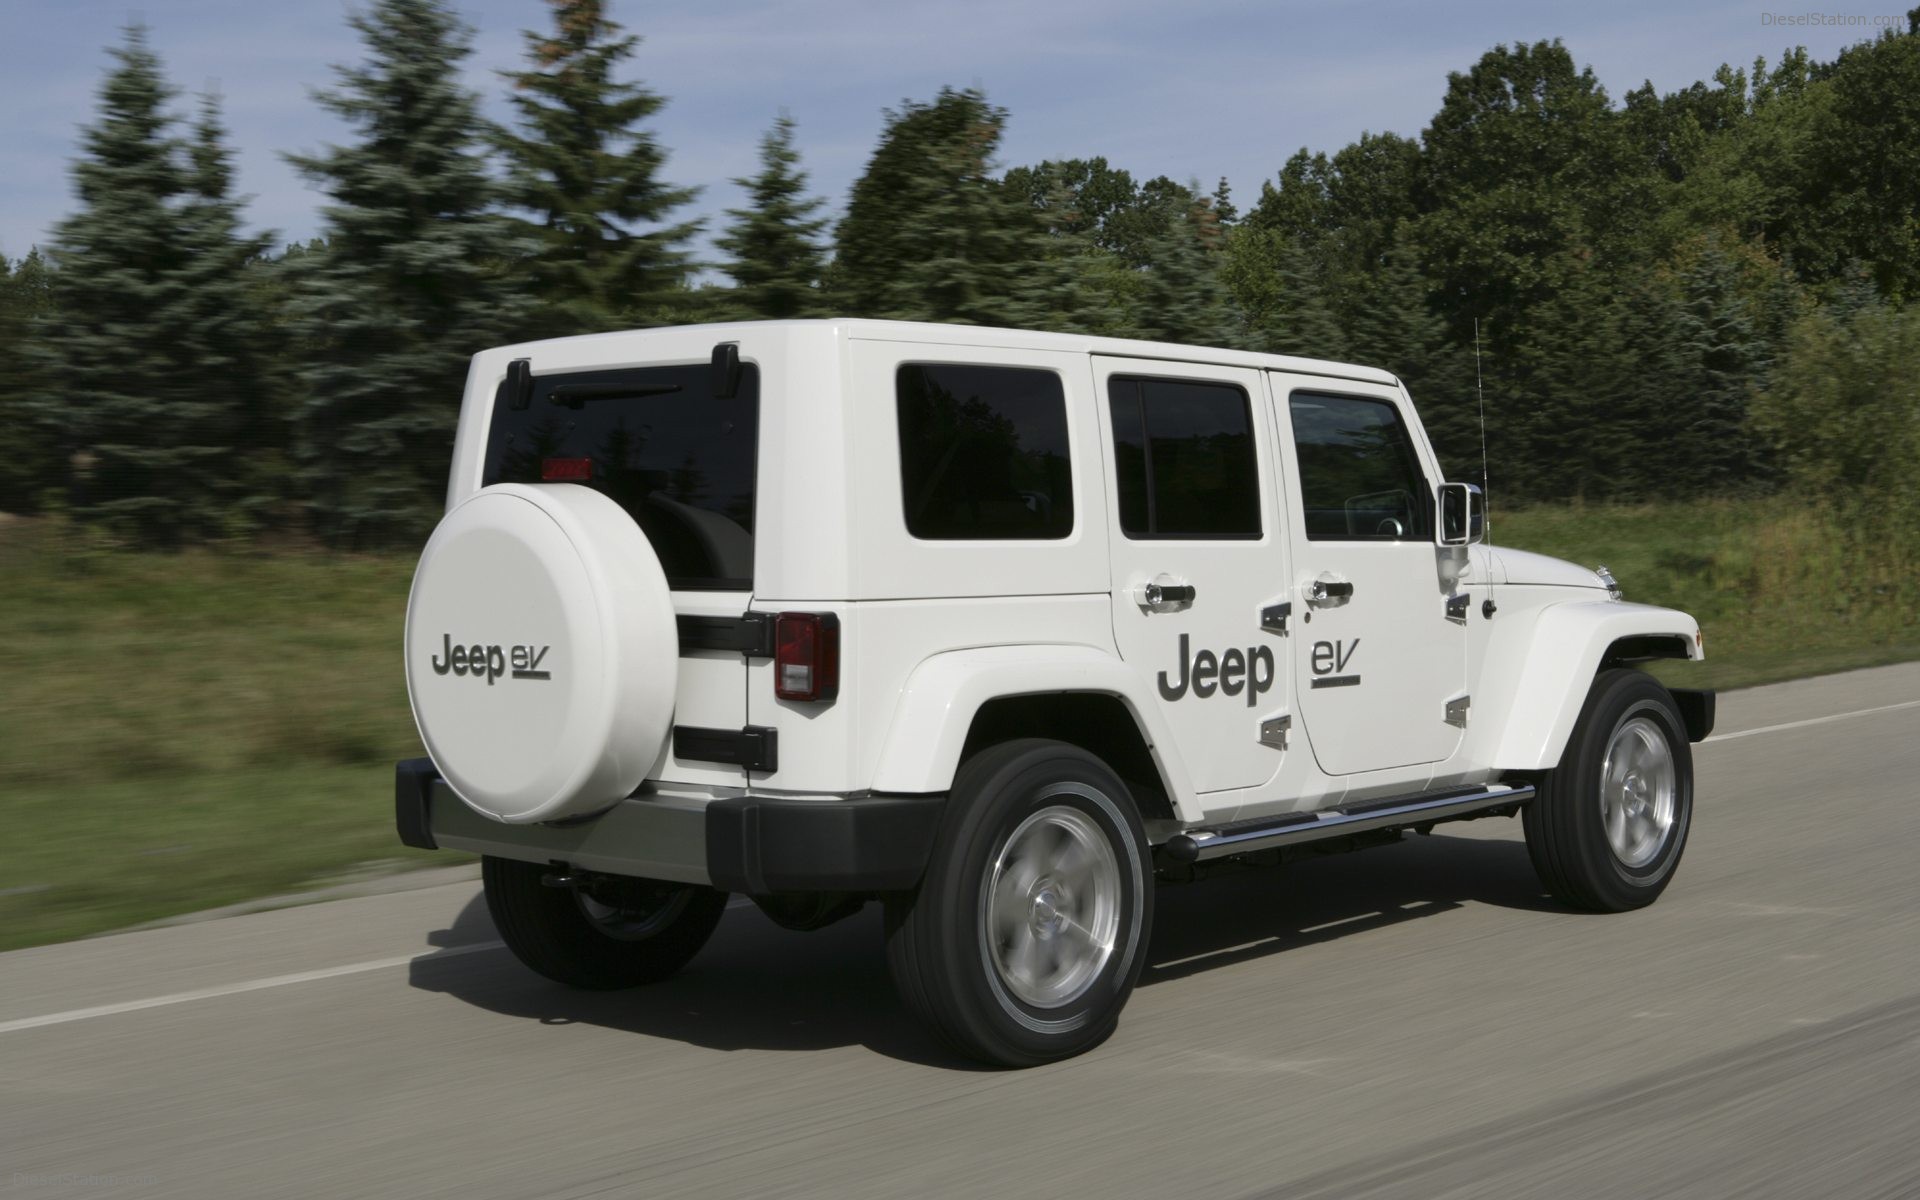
566,470
806,657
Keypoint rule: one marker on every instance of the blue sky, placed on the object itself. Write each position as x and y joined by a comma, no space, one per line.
1191,90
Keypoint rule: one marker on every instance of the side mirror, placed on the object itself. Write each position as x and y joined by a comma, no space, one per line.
1463,514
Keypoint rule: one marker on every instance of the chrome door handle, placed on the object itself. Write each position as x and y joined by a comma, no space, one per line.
1321,591
1157,594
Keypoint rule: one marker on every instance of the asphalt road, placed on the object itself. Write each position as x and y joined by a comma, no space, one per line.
1415,1021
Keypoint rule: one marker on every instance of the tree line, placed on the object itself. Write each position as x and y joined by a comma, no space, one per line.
1661,297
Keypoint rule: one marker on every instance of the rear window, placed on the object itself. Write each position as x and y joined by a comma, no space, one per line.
983,452
1185,466
656,440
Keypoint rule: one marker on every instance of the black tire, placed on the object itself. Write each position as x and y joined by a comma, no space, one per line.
618,933
1568,822
1069,810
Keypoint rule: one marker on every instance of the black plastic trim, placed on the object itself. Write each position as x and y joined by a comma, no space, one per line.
750,634
759,845
1696,707
756,747
412,810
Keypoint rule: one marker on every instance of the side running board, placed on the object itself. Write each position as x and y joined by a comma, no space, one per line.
1290,829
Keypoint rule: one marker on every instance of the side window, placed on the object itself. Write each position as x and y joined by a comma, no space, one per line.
983,452
1359,478
1184,459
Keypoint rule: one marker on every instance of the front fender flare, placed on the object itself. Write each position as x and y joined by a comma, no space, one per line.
936,708
1564,651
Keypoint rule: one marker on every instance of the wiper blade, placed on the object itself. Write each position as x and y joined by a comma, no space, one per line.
573,395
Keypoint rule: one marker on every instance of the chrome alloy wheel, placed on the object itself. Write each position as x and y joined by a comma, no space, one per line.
1051,907
635,920
1638,791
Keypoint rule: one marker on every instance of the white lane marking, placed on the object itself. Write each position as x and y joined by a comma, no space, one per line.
251,985
1863,712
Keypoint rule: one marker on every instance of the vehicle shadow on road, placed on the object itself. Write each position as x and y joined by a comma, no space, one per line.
755,986
1250,915
759,987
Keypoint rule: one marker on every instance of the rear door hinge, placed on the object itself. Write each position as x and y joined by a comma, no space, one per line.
1274,731
1457,710
1273,618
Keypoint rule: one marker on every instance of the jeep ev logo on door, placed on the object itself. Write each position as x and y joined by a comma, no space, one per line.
493,661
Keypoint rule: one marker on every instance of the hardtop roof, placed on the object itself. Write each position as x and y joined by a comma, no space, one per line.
1026,339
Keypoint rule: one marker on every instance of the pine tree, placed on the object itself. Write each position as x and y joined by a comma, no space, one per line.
1182,296
776,260
31,462
929,233
136,383
225,329
409,285
1069,283
1275,287
1724,356
592,176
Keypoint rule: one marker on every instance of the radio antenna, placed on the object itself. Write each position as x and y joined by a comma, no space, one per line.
1486,485
1480,396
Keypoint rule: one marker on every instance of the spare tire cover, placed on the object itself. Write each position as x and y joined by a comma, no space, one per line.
542,654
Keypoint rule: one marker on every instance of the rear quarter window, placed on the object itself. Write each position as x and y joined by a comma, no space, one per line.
983,452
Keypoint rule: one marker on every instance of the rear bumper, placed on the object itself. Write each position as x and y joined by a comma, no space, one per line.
752,844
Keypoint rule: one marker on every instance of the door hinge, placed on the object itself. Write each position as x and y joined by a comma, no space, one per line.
1274,730
1457,710
1273,618
749,633
755,747
1457,607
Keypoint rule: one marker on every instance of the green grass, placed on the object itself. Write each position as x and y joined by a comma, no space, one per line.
1774,592
179,732
184,731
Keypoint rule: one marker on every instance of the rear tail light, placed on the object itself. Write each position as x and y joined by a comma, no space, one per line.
566,470
806,656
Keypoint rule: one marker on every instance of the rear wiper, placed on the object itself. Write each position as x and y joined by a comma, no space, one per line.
573,395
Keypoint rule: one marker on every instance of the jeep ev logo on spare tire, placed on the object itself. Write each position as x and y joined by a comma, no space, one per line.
489,662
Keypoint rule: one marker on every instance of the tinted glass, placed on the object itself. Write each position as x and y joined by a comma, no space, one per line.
983,452
657,441
1359,478
1184,459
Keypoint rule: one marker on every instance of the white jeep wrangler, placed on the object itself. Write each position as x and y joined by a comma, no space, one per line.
999,629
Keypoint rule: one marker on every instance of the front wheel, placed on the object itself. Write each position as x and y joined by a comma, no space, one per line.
609,932
1610,822
1029,930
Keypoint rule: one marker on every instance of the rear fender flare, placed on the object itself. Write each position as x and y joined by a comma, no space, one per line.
937,706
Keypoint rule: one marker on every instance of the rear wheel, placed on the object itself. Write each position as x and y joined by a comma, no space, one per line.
604,934
1028,932
1611,821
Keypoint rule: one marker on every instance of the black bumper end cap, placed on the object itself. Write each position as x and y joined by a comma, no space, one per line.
1696,707
412,787
760,845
